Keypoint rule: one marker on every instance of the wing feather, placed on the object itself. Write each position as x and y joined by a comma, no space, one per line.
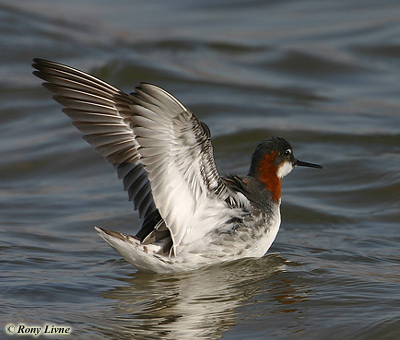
161,150
100,112
186,173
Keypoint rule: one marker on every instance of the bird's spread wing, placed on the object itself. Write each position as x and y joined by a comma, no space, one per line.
160,149
102,113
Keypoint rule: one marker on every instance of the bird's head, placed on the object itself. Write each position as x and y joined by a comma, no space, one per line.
272,160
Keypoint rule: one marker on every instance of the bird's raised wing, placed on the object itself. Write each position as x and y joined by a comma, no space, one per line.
102,113
161,150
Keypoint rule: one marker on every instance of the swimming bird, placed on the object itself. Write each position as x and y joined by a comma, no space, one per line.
192,216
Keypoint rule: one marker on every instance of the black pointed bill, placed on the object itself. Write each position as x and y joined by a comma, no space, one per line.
310,165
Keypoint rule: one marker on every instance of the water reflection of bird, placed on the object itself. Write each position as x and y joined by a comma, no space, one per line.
192,217
201,304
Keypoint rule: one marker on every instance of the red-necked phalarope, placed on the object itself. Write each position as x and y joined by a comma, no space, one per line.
192,217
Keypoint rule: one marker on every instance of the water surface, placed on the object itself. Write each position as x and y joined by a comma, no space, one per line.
324,75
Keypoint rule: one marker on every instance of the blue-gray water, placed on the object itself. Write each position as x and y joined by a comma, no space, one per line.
323,74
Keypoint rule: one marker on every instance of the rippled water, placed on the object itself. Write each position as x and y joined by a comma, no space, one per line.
325,75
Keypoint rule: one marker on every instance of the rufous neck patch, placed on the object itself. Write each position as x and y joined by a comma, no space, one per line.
267,174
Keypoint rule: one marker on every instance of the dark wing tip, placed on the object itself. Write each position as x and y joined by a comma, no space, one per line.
39,63
36,62
206,129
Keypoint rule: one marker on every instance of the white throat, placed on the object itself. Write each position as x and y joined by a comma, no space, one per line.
284,169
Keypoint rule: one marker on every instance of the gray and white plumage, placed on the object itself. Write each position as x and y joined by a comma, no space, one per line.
163,154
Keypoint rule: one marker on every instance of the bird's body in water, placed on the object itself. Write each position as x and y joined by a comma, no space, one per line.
192,217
